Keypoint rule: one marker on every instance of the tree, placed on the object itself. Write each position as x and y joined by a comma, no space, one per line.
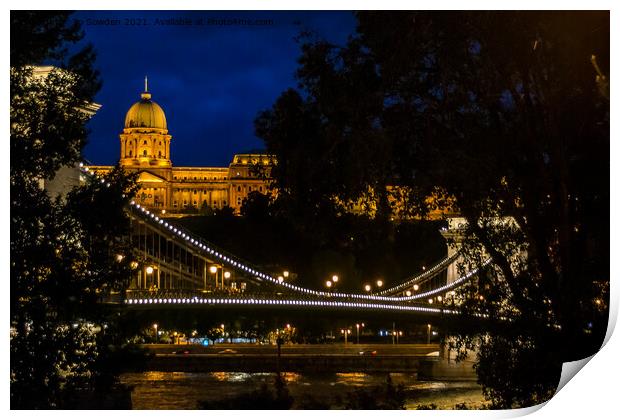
502,112
66,252
256,206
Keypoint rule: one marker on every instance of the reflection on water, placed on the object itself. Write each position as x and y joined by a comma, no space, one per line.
183,390
351,379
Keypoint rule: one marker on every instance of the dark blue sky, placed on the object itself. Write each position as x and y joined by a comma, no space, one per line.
210,80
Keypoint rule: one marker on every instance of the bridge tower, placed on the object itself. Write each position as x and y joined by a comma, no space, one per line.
454,236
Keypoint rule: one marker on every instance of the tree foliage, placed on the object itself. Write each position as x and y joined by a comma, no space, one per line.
66,252
503,112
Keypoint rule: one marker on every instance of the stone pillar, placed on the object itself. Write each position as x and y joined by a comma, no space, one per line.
454,236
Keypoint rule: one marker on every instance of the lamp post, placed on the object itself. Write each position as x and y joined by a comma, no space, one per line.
428,334
328,284
367,288
357,330
213,270
227,277
223,333
346,333
393,332
156,336
148,271
379,283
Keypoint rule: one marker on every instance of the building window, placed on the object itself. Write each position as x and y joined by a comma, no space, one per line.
238,188
250,188
195,192
184,202
224,202
159,154
176,178
144,142
144,152
130,153
260,189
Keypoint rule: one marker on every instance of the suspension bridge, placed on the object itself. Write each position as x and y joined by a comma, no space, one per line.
177,268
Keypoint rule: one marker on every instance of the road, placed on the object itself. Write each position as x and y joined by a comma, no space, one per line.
298,349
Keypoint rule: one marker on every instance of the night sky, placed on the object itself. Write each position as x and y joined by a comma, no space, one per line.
211,80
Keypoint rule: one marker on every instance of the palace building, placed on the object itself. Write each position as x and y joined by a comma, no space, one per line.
145,145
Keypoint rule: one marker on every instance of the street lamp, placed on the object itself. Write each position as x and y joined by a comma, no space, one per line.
149,271
346,335
428,334
379,283
357,330
416,287
285,274
227,277
408,293
213,270
280,279
328,283
156,336
335,278
223,333
367,288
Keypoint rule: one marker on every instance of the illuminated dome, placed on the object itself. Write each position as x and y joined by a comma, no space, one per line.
145,113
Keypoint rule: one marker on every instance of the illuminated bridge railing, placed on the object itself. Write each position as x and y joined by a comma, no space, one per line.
152,300
221,256
423,277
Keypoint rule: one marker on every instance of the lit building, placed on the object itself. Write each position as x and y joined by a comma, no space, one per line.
145,148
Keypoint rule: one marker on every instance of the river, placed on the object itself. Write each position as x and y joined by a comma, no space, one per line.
182,390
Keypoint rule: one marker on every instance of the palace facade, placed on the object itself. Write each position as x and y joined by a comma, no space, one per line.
145,148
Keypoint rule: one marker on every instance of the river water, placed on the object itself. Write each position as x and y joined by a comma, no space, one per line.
181,390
